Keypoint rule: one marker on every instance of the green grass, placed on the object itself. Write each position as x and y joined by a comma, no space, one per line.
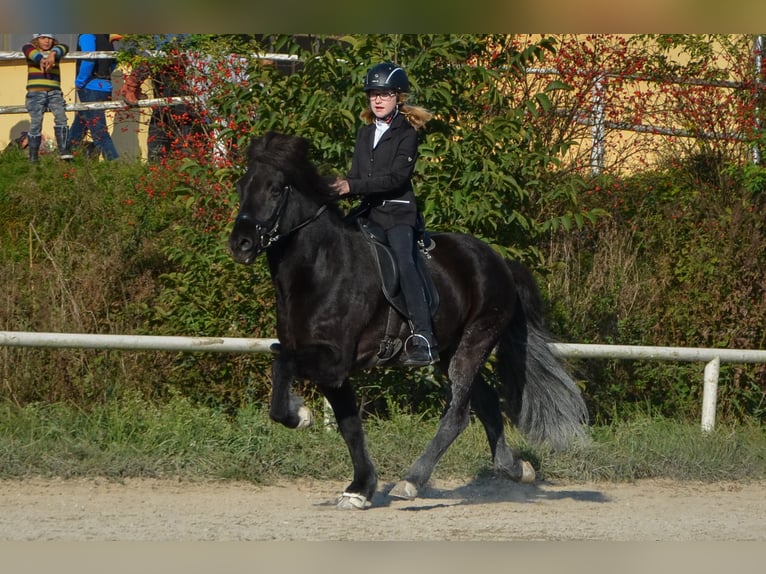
135,438
84,247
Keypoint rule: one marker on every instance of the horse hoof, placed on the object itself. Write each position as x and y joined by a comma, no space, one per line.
404,490
527,473
304,414
352,501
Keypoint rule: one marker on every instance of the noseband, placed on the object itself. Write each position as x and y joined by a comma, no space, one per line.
268,231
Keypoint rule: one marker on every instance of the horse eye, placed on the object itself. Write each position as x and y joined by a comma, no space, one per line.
277,191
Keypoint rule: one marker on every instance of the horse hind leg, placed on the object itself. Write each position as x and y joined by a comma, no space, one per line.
452,423
486,405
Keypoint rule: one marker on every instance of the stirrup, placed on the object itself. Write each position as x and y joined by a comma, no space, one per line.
420,355
416,337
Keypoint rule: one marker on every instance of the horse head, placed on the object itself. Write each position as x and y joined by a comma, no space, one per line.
277,165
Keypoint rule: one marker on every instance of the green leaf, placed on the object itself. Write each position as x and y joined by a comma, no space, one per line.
557,85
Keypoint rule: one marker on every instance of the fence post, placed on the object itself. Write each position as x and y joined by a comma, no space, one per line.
597,130
759,77
709,394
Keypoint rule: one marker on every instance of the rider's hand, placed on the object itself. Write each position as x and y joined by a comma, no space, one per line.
341,186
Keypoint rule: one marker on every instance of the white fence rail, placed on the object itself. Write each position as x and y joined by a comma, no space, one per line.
16,55
117,104
134,342
712,357
110,105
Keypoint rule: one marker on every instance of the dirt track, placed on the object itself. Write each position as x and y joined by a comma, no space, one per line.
485,510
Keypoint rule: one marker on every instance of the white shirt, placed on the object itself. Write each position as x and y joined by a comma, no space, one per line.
381,127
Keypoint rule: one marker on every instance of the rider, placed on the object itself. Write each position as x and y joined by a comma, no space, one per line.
381,171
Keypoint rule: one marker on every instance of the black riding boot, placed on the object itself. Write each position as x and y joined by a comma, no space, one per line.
420,348
62,141
34,147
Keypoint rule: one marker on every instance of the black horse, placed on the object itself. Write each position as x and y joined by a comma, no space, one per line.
332,316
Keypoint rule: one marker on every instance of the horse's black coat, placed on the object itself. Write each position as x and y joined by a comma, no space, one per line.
331,317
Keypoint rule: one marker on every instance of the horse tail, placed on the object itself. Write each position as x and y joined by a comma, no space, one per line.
541,398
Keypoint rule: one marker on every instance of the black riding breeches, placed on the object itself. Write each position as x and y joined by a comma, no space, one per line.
402,241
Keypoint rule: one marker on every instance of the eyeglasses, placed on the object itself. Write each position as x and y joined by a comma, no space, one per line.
372,94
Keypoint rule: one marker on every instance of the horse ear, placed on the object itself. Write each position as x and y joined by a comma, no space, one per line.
251,147
268,136
256,145
260,144
300,148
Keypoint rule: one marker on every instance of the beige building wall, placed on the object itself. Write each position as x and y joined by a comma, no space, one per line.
128,128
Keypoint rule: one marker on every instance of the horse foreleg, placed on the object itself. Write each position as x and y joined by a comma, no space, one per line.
486,405
286,407
358,494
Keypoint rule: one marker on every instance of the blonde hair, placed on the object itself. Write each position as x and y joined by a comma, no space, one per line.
36,42
416,115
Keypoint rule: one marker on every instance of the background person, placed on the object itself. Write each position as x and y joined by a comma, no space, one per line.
172,129
17,145
94,84
43,55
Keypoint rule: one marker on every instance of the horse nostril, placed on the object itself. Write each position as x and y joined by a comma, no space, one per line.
241,244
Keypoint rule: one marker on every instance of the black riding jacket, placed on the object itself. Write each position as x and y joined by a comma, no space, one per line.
383,175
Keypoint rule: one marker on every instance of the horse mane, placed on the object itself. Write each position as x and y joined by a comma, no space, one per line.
290,155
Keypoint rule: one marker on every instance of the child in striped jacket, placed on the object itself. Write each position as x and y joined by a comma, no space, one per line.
43,55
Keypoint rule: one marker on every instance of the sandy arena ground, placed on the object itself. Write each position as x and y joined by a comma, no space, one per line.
482,510
472,527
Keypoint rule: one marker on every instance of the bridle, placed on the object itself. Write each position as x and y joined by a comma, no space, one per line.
268,231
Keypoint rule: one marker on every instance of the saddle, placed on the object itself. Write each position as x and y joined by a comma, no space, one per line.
388,272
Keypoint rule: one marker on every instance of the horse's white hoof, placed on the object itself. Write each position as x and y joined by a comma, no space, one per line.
352,501
306,418
404,490
527,473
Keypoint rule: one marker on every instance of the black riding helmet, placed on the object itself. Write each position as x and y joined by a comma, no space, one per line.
386,76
